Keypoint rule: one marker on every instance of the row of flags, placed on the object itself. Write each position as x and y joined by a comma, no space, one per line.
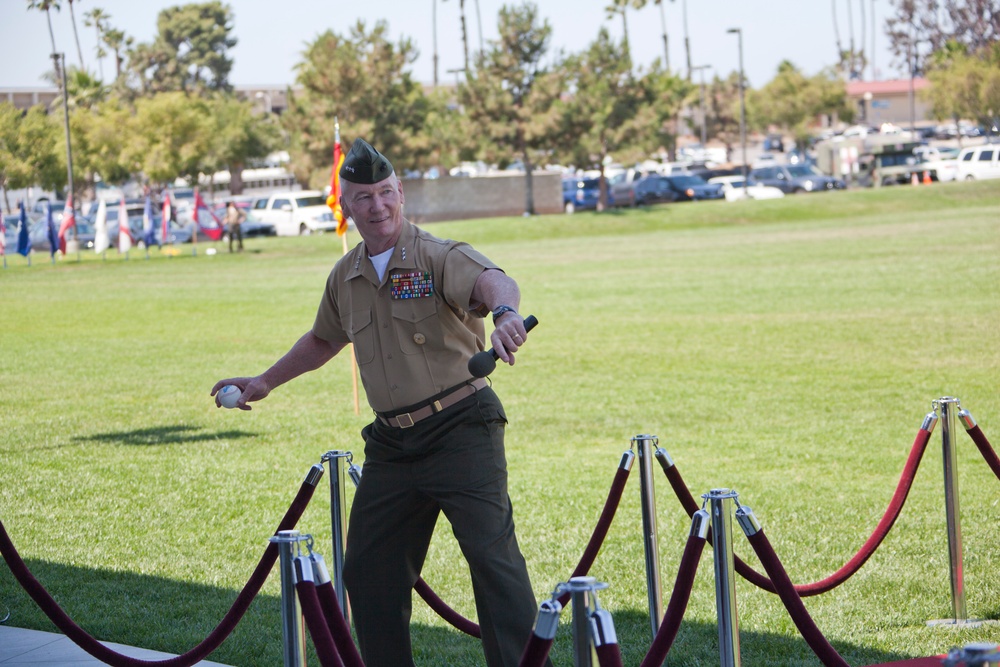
212,227
209,225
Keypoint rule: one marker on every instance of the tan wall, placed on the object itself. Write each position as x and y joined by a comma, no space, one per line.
460,198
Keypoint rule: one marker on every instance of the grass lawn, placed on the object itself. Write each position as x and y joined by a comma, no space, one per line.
788,349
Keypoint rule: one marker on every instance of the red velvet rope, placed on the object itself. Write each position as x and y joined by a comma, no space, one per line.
867,549
215,638
609,655
586,561
337,624
601,530
326,650
793,603
985,449
535,652
444,611
678,603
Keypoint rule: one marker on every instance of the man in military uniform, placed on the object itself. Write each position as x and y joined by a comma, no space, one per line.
413,307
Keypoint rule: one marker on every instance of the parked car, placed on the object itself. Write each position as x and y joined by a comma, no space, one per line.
654,189
694,188
296,213
732,189
796,178
582,194
978,162
39,234
621,187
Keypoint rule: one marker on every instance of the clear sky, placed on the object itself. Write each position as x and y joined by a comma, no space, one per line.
272,35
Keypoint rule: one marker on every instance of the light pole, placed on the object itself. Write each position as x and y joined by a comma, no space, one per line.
743,110
261,95
704,122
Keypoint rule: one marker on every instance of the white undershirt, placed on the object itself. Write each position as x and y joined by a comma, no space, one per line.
381,261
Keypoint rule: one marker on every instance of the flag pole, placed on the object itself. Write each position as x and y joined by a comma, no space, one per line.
333,201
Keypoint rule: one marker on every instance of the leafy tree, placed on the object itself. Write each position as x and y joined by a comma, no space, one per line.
363,80
29,153
171,136
793,101
239,136
104,131
722,113
607,111
190,52
511,96
965,85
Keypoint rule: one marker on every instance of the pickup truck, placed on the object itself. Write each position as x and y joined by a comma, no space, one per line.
295,213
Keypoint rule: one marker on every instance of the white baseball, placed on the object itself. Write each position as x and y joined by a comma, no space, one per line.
228,396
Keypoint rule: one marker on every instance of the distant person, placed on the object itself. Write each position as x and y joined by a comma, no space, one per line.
413,306
234,220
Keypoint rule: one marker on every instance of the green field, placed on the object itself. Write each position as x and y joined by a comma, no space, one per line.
788,349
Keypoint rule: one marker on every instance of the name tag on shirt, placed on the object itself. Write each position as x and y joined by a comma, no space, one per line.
412,285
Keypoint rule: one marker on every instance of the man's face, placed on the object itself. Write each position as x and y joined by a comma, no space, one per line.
377,210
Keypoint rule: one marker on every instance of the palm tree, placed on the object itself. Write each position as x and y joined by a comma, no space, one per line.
117,42
72,16
97,18
465,36
620,7
45,6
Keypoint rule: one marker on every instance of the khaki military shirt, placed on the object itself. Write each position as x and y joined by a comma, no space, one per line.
413,332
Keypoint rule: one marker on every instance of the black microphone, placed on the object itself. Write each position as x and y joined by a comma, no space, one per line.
483,363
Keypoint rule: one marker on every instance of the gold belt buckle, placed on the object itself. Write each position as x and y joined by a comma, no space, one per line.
399,420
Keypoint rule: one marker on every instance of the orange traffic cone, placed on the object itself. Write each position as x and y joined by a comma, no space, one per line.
927,178
913,179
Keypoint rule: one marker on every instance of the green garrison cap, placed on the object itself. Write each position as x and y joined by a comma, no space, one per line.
363,164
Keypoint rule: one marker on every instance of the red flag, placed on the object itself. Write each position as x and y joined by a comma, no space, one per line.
68,220
213,232
333,201
165,225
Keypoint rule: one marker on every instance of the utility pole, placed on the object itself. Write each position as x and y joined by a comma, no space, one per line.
704,122
434,21
743,110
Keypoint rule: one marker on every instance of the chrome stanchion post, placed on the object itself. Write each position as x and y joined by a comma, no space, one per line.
580,589
338,520
725,579
644,446
949,407
292,629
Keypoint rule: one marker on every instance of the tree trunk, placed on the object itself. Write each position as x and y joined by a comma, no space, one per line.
72,16
236,178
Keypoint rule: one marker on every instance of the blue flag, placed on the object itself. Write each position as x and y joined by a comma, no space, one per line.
148,228
23,238
51,230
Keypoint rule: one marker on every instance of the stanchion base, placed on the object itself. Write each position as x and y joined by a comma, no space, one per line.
954,623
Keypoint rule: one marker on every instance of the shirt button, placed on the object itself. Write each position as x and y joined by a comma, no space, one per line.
389,356
385,325
419,338
394,387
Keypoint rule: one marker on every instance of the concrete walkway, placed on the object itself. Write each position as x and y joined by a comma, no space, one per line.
33,648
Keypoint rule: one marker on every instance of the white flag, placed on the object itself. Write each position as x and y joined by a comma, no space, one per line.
124,231
101,240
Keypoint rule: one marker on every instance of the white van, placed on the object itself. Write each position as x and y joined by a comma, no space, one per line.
979,162
295,213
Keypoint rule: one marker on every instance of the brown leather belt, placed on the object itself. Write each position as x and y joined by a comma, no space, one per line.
408,419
